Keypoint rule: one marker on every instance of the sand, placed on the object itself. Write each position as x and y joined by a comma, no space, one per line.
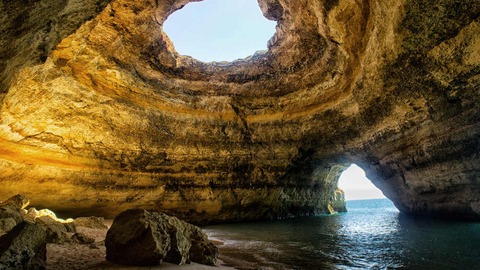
61,257
82,257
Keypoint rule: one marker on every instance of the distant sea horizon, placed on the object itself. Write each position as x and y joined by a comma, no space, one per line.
379,198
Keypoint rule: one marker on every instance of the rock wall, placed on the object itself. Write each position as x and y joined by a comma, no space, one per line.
114,118
32,29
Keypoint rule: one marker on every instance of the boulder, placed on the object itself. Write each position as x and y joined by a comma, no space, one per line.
24,247
139,237
6,224
55,230
8,214
11,212
56,233
202,250
18,201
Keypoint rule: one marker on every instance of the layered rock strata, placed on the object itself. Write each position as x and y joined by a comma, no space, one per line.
114,118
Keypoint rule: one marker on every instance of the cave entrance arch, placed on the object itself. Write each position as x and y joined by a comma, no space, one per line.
356,186
219,30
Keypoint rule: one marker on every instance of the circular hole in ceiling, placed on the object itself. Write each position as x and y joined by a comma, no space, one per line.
219,30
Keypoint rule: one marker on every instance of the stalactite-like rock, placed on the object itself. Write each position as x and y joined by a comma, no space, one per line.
114,118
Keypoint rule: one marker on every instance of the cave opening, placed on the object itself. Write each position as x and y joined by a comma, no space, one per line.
219,30
356,186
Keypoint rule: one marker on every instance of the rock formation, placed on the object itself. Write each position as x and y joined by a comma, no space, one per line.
11,212
106,116
24,247
139,237
25,236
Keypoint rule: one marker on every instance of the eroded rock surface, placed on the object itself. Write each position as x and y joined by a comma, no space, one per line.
30,31
24,247
12,212
140,237
115,119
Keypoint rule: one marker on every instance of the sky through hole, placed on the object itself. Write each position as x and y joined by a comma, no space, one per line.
219,30
357,186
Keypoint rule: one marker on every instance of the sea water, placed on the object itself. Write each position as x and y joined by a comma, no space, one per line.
373,234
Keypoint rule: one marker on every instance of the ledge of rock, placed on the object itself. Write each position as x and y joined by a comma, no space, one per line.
109,117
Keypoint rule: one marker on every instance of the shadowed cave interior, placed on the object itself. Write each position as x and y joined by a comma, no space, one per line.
100,116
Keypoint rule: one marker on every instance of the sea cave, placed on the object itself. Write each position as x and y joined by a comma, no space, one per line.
100,114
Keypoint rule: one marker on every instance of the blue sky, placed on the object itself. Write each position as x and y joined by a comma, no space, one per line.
219,30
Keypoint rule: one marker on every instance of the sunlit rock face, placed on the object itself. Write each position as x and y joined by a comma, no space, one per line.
114,118
31,29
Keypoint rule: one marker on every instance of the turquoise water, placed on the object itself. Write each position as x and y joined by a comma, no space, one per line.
372,235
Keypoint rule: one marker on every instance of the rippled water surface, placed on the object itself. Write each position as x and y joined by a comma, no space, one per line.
372,235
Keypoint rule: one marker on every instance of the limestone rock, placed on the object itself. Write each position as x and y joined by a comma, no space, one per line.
31,214
202,250
24,247
30,30
6,224
57,229
140,237
108,112
11,212
56,233
137,238
70,226
18,201
12,208
90,222
10,216
179,233
338,202
80,238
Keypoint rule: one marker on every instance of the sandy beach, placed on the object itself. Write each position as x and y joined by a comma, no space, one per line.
82,257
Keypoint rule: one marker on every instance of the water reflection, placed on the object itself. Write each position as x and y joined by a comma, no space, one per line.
367,237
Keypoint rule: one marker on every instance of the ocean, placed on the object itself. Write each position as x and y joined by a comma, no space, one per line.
373,234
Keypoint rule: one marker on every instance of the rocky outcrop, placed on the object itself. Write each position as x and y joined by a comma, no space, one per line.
140,237
201,251
338,203
31,30
58,231
11,212
115,119
18,201
24,247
